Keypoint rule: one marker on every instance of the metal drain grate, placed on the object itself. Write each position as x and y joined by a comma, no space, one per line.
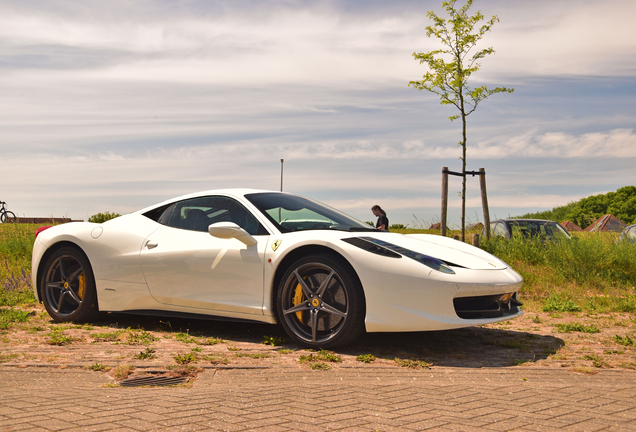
155,381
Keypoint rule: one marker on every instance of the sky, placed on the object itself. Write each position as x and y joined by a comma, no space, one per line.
114,106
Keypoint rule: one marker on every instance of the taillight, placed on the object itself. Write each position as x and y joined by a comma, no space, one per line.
39,230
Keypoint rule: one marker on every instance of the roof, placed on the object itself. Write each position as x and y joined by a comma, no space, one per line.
570,226
435,226
607,223
477,225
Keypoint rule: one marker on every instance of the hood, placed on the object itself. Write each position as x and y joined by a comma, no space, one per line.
445,249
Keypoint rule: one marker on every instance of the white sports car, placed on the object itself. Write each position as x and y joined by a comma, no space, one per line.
269,257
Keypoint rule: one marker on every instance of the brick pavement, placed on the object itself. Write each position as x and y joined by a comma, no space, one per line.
294,398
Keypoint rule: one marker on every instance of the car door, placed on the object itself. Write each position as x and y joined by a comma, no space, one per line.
187,267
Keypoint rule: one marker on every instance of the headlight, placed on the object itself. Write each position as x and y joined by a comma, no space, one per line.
381,247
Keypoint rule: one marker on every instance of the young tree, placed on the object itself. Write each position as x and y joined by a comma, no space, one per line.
451,66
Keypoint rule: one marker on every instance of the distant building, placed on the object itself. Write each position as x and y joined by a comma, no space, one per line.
475,226
570,226
436,226
607,223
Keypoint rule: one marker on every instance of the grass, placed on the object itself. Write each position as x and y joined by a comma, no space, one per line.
57,337
589,273
577,327
625,341
148,354
10,316
412,364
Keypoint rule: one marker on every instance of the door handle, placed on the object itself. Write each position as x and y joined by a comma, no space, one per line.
151,245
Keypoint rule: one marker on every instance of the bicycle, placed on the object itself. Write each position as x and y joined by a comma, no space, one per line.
6,214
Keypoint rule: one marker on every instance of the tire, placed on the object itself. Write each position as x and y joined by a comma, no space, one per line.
3,217
10,216
68,287
320,302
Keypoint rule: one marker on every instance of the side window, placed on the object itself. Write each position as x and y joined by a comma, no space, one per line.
196,214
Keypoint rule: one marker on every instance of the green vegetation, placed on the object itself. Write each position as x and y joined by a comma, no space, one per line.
412,364
273,340
148,354
317,361
366,358
10,316
103,217
590,272
577,327
186,358
451,66
621,204
626,341
57,337
16,245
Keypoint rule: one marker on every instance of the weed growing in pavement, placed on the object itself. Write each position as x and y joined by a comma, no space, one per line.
577,327
217,359
519,362
122,371
186,358
285,351
273,340
148,354
613,352
233,348
536,319
209,341
412,364
366,358
140,337
317,361
253,355
10,316
98,367
627,341
57,337
319,366
597,362
107,337
7,357
184,338
627,365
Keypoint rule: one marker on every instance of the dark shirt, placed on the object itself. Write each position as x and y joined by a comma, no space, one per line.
382,220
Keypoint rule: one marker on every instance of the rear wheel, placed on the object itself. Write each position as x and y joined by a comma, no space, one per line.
321,302
10,216
68,287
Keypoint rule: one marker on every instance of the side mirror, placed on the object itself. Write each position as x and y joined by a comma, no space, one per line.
229,230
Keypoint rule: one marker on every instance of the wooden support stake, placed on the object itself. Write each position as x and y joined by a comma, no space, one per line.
484,201
444,201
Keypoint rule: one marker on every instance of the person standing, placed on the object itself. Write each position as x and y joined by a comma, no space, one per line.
383,222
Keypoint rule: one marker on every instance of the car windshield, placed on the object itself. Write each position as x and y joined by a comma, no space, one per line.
535,228
294,213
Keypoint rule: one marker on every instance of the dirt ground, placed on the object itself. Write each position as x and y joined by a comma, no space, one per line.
579,342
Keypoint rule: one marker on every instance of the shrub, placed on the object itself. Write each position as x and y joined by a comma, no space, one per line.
103,217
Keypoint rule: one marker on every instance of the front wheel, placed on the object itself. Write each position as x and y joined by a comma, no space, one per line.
68,287
321,303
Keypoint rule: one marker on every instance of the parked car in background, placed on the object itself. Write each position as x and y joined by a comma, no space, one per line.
528,228
628,234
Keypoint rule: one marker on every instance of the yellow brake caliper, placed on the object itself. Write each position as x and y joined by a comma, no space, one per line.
299,297
82,286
